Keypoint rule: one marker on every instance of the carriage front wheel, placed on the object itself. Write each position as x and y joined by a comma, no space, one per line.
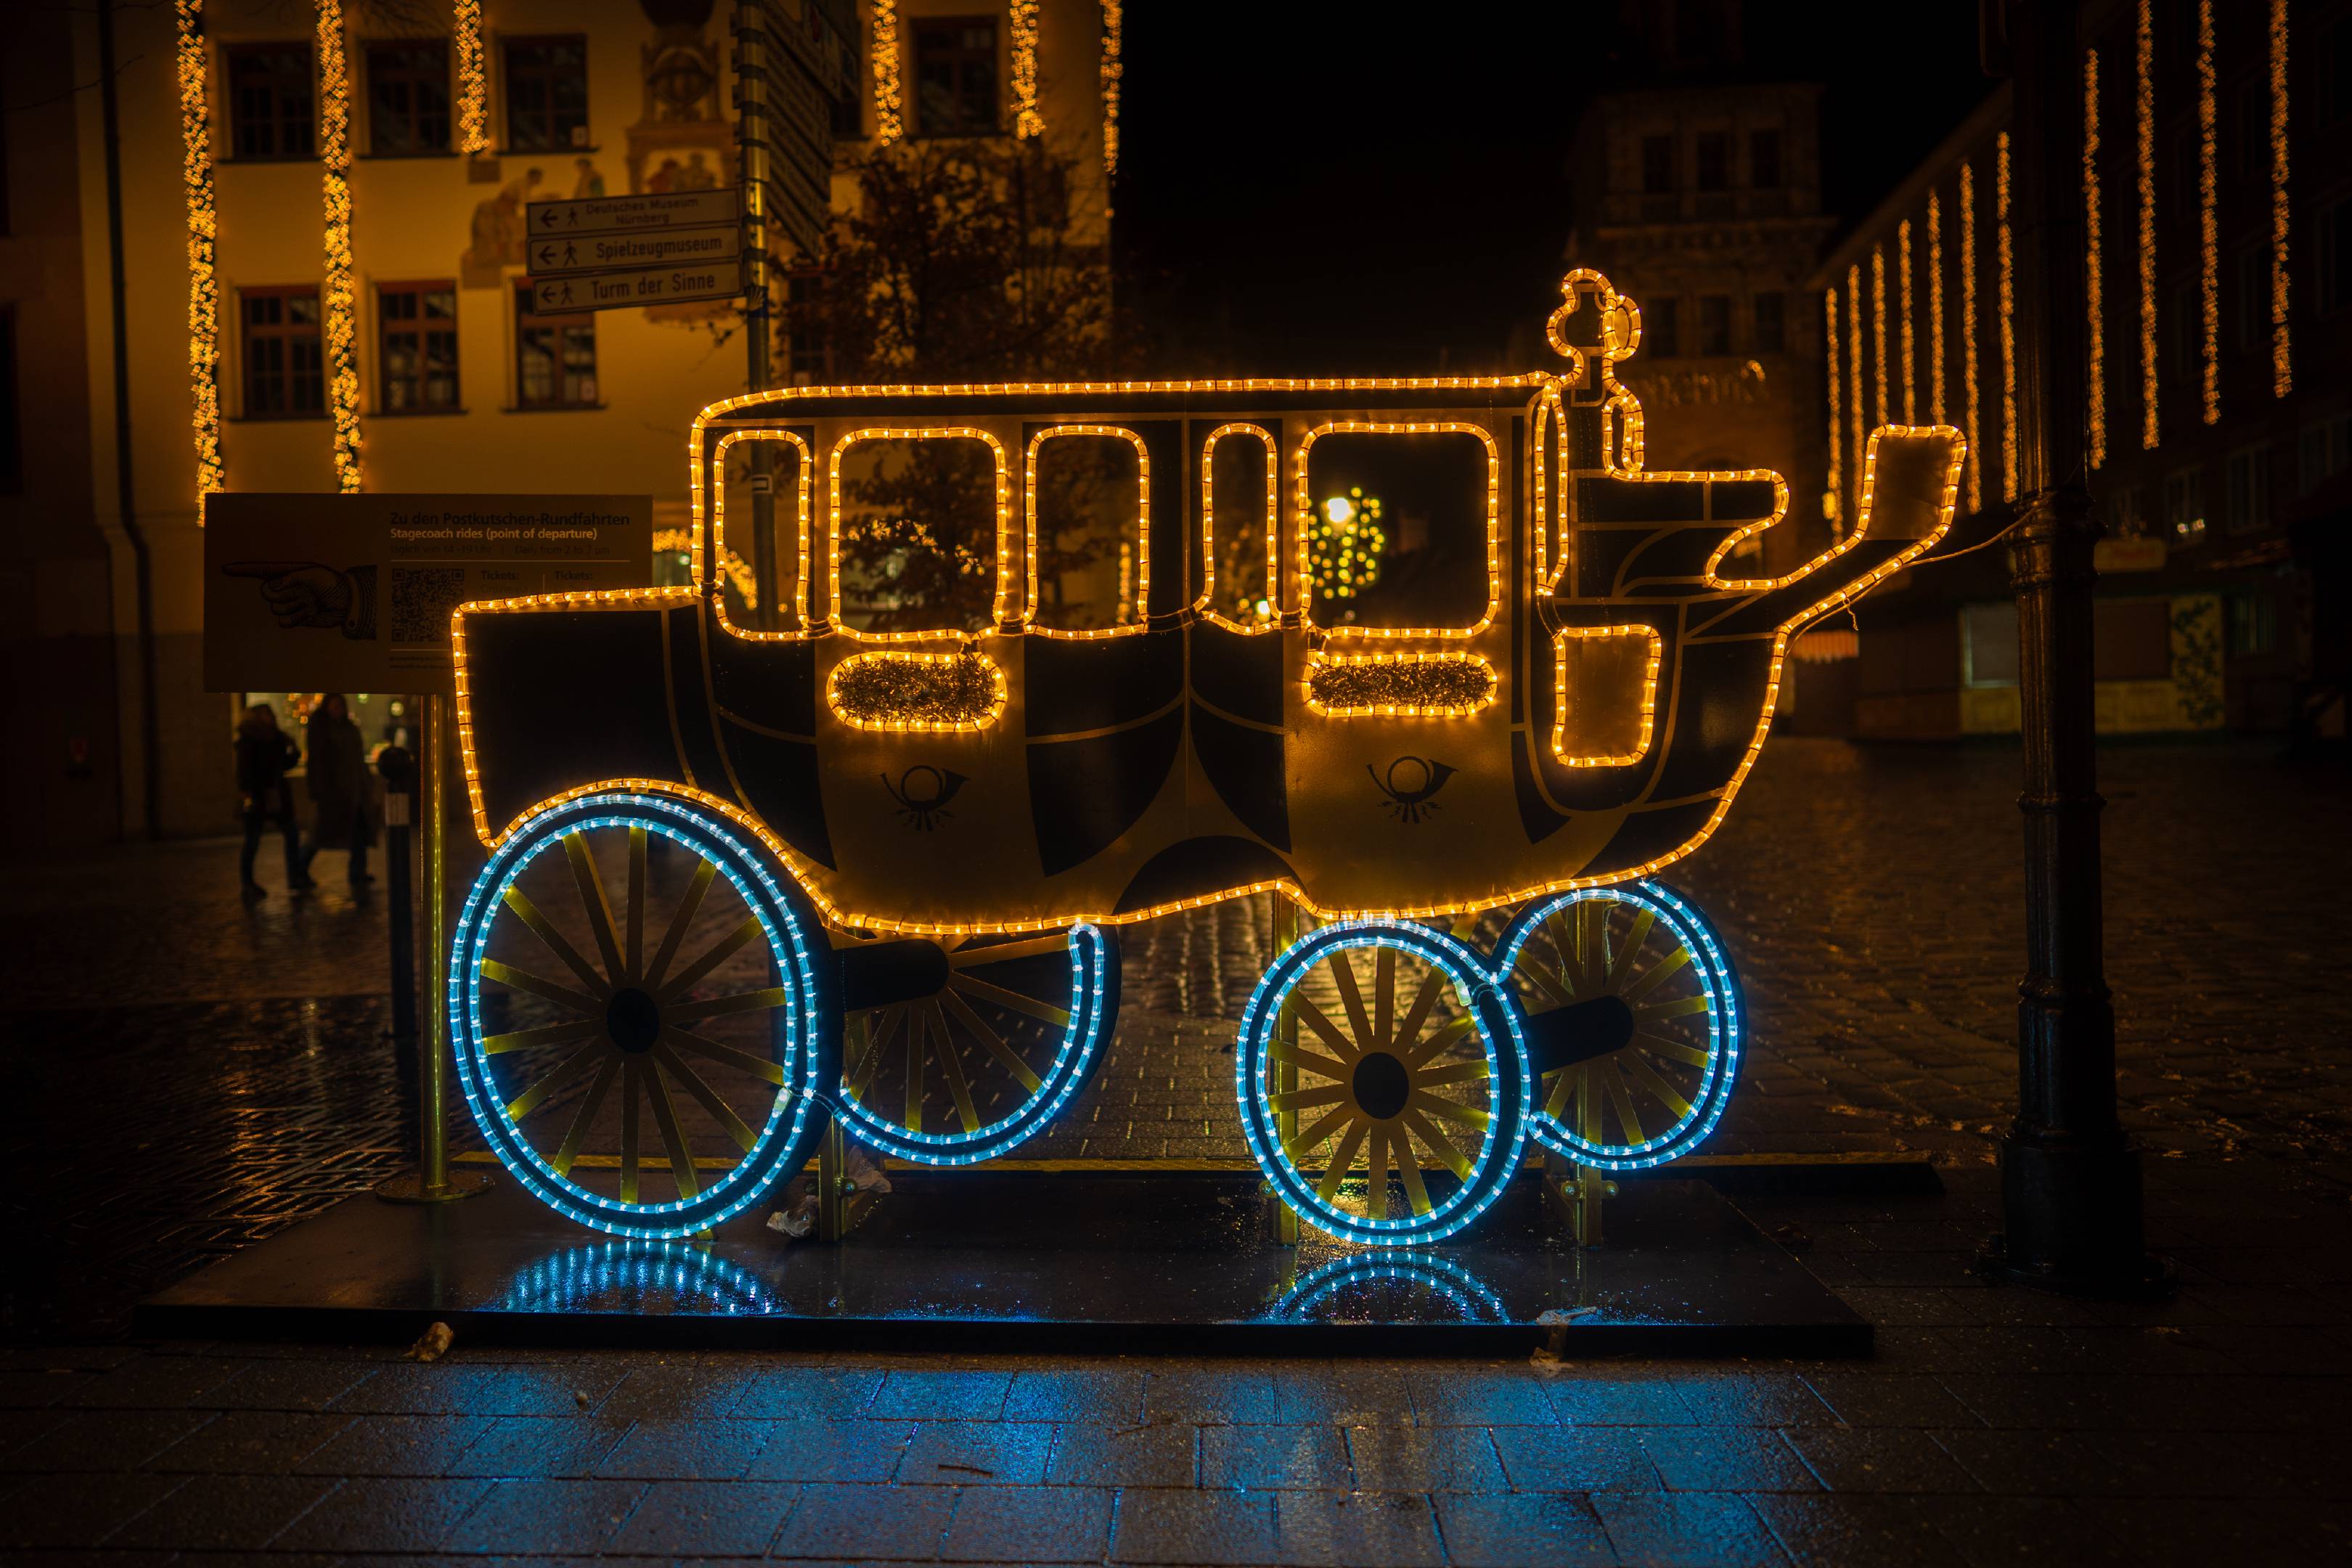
642,1014
1382,1082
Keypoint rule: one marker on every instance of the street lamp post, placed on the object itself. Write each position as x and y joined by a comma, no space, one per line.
2071,1205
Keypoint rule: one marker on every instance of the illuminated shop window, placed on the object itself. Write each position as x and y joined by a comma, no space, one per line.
285,366
273,106
955,77
416,347
408,97
546,85
555,357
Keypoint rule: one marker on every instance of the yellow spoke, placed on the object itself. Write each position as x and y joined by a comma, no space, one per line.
998,1047
914,1086
1651,1011
680,920
586,1116
1036,947
937,1018
1384,996
879,1027
1057,1016
591,898
541,927
636,953
1631,948
758,1001
709,961
1320,1131
1535,971
1306,1099
1302,1007
705,1096
1649,1079
1439,1144
758,1066
1282,1050
632,1070
1587,1105
1453,1111
1593,943
1674,1051
1342,1158
1563,944
1657,971
1452,1030
1454,1072
1409,1168
1417,1015
545,1034
1614,1082
673,1136
1343,975
1562,1080
546,990
523,1104
1376,1173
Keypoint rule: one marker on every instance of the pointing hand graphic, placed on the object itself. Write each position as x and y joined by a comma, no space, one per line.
307,594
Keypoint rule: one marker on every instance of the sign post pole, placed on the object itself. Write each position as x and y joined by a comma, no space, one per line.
752,147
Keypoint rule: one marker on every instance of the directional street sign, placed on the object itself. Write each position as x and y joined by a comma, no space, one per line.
611,253
617,215
648,286
564,253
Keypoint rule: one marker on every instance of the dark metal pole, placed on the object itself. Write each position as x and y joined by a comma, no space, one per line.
2070,1180
752,66
399,771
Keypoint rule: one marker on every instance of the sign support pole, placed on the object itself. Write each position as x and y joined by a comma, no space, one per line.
2071,1206
433,1182
751,152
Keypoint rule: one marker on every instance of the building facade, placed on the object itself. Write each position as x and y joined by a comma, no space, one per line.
286,253
2217,194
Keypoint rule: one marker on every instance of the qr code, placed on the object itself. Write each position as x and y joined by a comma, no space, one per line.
422,599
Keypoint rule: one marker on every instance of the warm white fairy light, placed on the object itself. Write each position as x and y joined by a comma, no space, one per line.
1934,309
1910,361
1853,369
2093,300
339,305
1968,334
1878,333
2145,113
1114,27
473,79
2209,219
1832,502
203,235
2004,319
1021,23
2282,361
888,125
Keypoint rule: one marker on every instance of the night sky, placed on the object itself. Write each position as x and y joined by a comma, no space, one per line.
1373,188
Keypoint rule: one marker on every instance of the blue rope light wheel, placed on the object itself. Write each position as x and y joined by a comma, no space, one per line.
1387,1286
1633,1023
1382,1082
983,1042
643,1014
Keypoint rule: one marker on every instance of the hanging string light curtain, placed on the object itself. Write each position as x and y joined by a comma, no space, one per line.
1832,498
203,235
2094,301
2145,113
1968,415
339,306
888,126
2209,224
1113,26
2282,361
472,80
2005,319
1022,21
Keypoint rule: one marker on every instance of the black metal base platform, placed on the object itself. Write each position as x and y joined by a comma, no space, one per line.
1034,1262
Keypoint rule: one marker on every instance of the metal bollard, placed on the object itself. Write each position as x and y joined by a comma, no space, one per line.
399,771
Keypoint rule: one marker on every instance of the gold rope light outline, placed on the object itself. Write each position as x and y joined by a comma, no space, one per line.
1142,621
1201,603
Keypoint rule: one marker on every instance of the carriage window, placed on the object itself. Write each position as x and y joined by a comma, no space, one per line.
1397,528
1238,497
915,537
1089,497
757,595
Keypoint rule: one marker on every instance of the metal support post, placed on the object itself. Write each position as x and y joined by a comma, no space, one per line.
433,1182
1286,1066
2070,1180
752,69
399,771
833,1189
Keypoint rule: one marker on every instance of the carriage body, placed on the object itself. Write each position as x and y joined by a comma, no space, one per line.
926,831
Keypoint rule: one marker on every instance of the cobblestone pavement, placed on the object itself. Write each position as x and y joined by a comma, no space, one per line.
187,1074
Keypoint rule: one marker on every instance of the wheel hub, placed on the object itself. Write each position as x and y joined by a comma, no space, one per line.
1381,1085
634,1020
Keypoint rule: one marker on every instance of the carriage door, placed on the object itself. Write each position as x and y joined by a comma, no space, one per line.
1400,528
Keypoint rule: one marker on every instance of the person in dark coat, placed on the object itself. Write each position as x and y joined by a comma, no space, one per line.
339,784
264,753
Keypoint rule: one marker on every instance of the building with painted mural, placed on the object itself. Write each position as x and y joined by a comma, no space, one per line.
177,300
2219,282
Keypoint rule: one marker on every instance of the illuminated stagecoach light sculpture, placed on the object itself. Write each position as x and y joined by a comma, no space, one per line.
1098,779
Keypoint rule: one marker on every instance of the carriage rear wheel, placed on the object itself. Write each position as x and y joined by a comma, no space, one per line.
1391,1110
1633,1023
973,1042
640,1019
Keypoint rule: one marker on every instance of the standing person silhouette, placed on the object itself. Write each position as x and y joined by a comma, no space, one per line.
339,785
264,753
